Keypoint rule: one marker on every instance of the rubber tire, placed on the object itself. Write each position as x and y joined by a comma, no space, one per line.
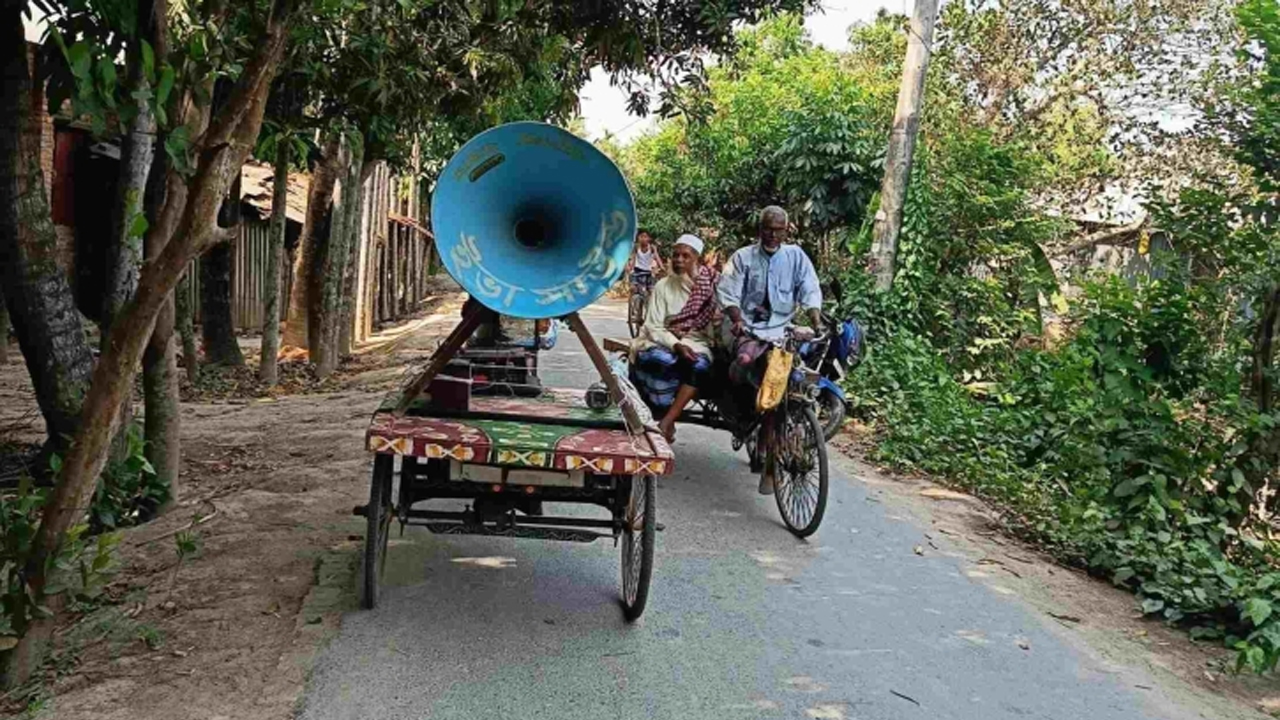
755,462
810,418
377,530
635,314
835,410
633,608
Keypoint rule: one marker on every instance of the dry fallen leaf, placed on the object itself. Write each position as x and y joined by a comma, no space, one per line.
937,493
805,684
826,711
919,549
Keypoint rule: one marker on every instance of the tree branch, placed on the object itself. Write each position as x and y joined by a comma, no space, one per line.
1100,237
224,234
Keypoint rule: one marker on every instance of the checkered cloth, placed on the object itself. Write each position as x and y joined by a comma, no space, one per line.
700,309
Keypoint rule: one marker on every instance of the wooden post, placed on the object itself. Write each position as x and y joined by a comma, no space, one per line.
629,413
393,261
902,143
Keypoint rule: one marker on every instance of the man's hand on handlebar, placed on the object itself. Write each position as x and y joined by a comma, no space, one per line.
735,317
802,334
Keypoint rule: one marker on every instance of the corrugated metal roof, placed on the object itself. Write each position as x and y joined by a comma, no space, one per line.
255,188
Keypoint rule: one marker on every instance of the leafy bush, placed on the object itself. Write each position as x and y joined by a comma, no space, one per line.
79,569
1117,421
129,492
1117,451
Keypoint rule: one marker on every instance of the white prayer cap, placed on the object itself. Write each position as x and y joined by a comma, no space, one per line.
693,241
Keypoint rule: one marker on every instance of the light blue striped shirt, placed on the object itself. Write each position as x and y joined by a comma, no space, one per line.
786,278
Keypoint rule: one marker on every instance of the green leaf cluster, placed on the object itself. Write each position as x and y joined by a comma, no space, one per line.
80,569
129,492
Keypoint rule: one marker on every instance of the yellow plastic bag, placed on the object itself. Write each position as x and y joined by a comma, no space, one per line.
774,385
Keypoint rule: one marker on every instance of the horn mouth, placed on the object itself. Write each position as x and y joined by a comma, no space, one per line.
533,232
532,221
540,224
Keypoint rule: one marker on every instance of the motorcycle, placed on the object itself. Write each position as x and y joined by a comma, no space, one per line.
832,360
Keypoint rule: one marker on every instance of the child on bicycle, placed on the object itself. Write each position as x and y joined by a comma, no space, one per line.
644,264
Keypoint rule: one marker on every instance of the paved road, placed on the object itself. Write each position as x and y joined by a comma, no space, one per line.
744,621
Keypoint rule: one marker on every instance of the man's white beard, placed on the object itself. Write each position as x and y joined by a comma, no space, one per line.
686,278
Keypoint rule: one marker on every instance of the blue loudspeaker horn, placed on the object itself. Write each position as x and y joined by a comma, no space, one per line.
532,221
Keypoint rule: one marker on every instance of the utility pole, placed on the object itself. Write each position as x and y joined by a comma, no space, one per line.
902,145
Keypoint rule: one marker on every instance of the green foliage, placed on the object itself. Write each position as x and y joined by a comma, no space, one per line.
1111,417
79,569
150,636
790,127
129,491
1255,115
1116,450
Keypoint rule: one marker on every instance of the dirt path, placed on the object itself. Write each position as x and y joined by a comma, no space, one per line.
269,486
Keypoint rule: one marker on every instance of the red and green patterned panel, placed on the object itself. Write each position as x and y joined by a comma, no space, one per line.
520,443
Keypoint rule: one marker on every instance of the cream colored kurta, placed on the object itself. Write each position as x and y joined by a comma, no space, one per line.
666,300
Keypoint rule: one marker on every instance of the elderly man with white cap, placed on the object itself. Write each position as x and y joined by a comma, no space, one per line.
675,342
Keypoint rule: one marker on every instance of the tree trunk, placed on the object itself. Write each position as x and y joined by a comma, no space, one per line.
1257,463
355,236
124,254
220,155
185,321
319,198
1266,447
124,257
267,370
217,324
161,427
902,145
4,331
36,292
345,223
322,330
1260,380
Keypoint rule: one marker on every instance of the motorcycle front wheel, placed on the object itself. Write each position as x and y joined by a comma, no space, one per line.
831,411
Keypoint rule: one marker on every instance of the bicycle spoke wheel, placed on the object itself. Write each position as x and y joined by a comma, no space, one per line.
639,528
378,515
800,478
635,314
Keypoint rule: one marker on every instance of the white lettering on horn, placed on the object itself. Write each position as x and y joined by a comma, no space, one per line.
596,265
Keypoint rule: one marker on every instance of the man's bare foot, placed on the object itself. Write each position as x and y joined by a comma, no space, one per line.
668,430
